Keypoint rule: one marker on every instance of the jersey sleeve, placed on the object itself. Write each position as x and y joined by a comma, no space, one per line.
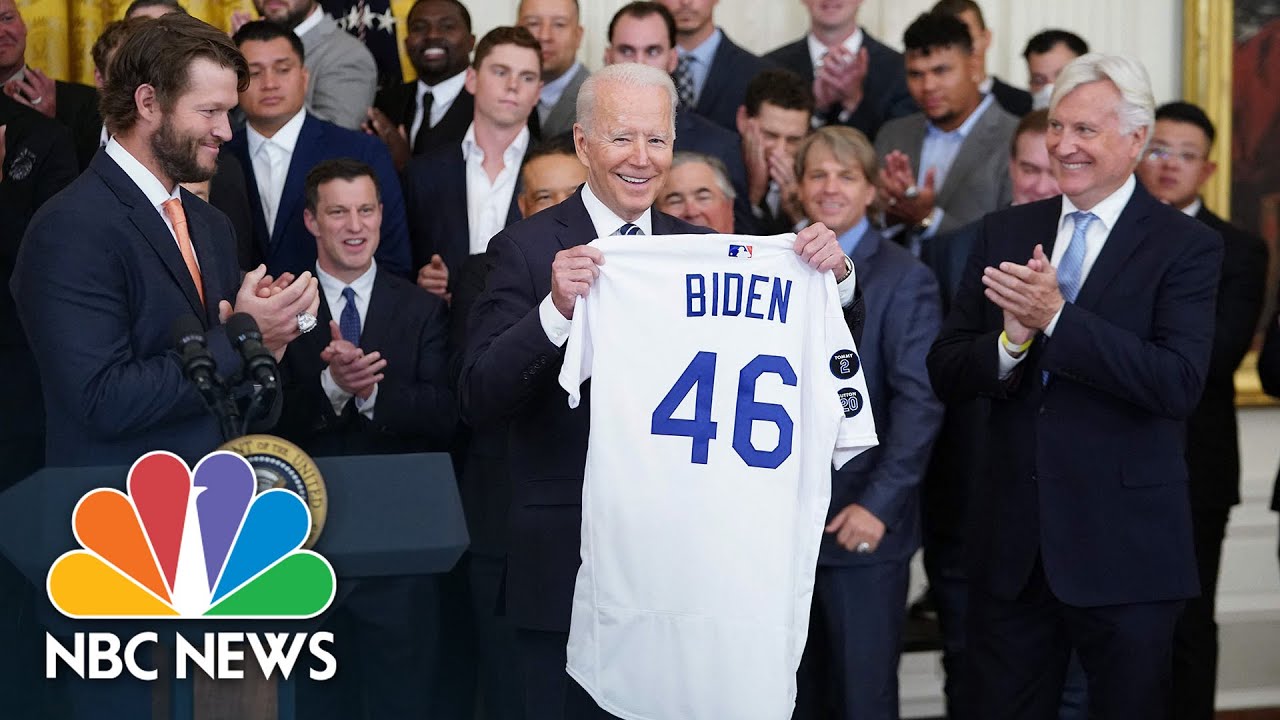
576,368
857,429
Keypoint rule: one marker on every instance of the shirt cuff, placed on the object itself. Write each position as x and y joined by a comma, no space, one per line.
555,325
366,406
337,396
1048,329
848,288
1007,361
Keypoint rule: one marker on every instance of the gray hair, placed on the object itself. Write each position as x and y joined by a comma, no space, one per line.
687,157
1137,103
630,76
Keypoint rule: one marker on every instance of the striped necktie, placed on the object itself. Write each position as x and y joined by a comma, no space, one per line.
628,229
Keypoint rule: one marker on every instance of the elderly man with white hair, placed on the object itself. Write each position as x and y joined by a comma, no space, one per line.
1088,321
698,191
519,326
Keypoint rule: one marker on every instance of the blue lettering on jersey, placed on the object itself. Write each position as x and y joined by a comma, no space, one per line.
736,296
696,292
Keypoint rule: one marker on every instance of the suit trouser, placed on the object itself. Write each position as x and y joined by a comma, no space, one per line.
498,668
549,692
1195,638
1019,651
384,634
850,665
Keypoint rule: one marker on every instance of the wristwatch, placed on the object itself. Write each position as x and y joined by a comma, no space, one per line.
848,269
924,225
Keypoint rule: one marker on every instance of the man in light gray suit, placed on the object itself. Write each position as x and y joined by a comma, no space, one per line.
343,74
556,25
946,166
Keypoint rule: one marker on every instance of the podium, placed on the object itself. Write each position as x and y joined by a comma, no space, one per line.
388,515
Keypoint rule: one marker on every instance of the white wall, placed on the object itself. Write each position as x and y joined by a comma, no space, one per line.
1147,29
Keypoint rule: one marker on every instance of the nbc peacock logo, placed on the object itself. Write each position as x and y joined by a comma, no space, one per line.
191,544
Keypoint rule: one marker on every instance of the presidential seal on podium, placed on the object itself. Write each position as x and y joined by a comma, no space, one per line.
279,463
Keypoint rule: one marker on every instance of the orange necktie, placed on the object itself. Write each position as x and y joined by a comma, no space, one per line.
173,208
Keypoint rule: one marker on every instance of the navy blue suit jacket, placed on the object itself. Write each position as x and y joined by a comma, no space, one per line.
98,284
902,319
725,89
509,375
884,92
698,134
435,191
415,410
289,247
1088,472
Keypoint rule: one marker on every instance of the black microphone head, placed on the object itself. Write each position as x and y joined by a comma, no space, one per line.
241,327
186,329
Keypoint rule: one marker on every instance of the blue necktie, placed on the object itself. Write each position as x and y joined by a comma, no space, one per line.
1071,266
629,229
349,323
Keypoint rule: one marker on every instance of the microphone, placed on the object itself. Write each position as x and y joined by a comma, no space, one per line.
259,364
198,366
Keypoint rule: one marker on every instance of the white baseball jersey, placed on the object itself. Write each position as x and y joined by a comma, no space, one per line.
724,383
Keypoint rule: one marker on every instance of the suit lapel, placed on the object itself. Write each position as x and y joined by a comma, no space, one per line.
202,242
300,162
1121,242
382,306
575,223
240,147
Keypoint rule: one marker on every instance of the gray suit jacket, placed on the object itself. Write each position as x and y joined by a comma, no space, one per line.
560,119
978,182
343,78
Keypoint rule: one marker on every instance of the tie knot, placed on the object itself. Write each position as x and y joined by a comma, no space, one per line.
349,294
1082,220
629,229
173,209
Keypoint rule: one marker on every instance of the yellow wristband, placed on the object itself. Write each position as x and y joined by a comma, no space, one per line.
1010,347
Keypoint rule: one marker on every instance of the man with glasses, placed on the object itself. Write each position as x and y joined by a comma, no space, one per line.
1176,166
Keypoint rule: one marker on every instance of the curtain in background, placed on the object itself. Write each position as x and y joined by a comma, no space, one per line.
61,32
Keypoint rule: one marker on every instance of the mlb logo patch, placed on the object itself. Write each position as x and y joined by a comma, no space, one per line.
740,251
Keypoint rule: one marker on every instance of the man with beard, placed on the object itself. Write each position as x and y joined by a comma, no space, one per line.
343,75
435,109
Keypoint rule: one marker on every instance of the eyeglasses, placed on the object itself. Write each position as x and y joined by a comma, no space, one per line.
1160,154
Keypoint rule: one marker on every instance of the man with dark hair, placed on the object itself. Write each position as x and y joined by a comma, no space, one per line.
712,72
856,79
772,121
550,175
459,196
342,75
72,104
645,32
1015,101
557,26
947,165
1177,165
282,141
434,110
1047,52
372,380
152,8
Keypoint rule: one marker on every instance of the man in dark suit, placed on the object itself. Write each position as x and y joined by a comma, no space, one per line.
461,195
373,382
557,26
947,165
435,110
857,80
72,104
280,144
1176,167
122,253
850,662
713,71
518,329
772,121
1088,320
1015,101
645,32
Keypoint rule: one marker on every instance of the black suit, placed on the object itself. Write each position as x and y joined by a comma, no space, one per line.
725,87
509,375
1213,460
1085,519
1015,101
884,92
400,103
78,110
385,626
228,193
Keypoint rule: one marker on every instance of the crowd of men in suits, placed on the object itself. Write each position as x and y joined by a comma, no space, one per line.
1071,497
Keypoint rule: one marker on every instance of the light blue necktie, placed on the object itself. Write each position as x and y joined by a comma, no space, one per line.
1071,267
629,229
349,323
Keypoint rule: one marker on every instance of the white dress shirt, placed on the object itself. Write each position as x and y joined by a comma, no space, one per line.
311,21
818,51
442,96
489,202
606,223
552,91
270,158
332,287
1108,212
148,183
